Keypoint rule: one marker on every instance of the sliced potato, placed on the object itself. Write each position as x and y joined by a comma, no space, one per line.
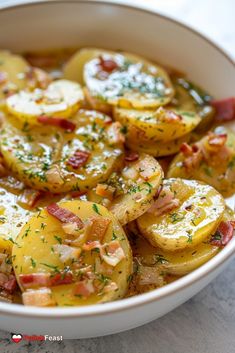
186,213
175,263
156,149
61,98
51,159
13,69
12,218
161,125
36,252
212,163
134,189
191,98
123,79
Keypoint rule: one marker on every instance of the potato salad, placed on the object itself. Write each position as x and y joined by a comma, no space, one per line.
114,176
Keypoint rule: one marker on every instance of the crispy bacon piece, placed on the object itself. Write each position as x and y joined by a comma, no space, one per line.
217,140
84,288
107,65
38,297
131,156
78,159
167,116
90,245
53,121
223,234
34,280
64,215
225,109
29,197
61,278
11,284
164,203
99,227
115,135
78,193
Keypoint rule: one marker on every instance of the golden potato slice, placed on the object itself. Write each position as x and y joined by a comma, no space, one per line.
52,159
12,71
12,218
161,125
129,194
45,248
185,214
175,263
190,97
61,98
156,149
123,79
212,160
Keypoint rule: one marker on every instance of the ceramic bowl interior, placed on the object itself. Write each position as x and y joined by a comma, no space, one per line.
108,24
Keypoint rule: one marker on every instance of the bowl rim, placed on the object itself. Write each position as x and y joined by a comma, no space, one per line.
142,299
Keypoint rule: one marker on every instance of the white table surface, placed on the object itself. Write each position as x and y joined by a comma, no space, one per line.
206,323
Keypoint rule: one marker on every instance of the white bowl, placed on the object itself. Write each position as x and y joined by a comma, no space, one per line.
112,25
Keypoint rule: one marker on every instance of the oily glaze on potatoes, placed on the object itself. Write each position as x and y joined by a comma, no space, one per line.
46,157
38,251
129,194
119,79
185,214
212,160
160,125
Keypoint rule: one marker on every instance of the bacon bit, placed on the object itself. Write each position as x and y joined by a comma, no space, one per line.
79,159
217,140
39,297
131,156
64,215
66,252
34,280
146,169
54,121
107,65
113,253
3,279
11,284
193,161
91,245
61,278
84,288
99,227
115,136
75,194
167,116
29,197
186,149
165,203
159,190
223,234
225,109
3,77
105,190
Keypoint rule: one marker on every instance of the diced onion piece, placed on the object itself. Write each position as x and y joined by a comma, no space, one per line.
66,252
113,253
84,288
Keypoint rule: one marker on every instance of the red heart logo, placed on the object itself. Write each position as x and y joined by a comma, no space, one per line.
16,338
